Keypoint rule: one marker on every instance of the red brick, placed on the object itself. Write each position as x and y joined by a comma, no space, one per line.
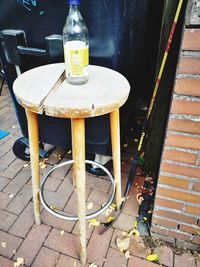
180,156
137,247
189,65
20,201
12,243
187,107
26,219
98,197
196,187
191,39
196,240
168,203
66,243
116,233
179,235
124,222
134,261
178,195
183,141
32,244
184,260
187,87
166,256
46,257
175,216
98,246
193,209
4,262
52,184
175,182
189,229
115,258
164,222
14,168
98,183
132,205
161,231
6,220
66,261
181,170
51,220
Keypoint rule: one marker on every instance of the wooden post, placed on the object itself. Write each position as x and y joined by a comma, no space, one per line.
78,146
34,155
115,139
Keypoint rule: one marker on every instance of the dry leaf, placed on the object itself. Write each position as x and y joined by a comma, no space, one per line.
42,165
93,222
19,262
134,232
4,244
93,265
125,145
127,254
11,195
139,198
26,164
152,257
75,263
135,224
135,140
53,207
90,206
110,219
123,242
62,232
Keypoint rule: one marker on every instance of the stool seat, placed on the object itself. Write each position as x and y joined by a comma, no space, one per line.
105,91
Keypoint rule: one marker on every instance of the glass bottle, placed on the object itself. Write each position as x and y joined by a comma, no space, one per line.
75,41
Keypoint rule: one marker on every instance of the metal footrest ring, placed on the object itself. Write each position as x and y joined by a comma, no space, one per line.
61,214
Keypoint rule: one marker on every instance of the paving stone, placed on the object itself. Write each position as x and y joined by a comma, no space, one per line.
4,262
6,220
18,182
184,260
21,200
98,183
32,244
55,199
46,257
98,197
12,243
65,261
165,255
66,243
116,233
13,169
51,220
115,258
137,262
124,222
3,182
138,248
4,200
52,184
132,205
98,246
24,222
8,158
88,230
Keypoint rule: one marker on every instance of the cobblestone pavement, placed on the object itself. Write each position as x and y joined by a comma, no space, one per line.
55,242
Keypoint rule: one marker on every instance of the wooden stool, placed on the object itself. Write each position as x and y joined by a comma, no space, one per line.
45,90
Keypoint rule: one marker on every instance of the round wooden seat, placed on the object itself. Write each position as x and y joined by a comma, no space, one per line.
45,89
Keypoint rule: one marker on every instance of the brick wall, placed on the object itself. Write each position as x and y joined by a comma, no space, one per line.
177,204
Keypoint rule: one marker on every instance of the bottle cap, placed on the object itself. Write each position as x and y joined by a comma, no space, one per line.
74,2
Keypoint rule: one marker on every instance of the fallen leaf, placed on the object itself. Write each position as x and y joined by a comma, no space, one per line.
14,251
135,140
152,257
135,224
110,219
139,198
69,152
11,195
4,244
90,206
123,242
75,263
42,165
26,164
53,207
62,232
127,254
134,232
19,262
93,222
93,265
125,145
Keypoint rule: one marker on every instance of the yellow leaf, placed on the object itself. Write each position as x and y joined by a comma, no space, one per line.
123,242
114,206
4,244
110,219
135,224
93,222
134,232
127,254
152,257
19,262
53,207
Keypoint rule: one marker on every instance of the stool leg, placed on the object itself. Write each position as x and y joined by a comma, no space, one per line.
115,139
78,147
34,155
